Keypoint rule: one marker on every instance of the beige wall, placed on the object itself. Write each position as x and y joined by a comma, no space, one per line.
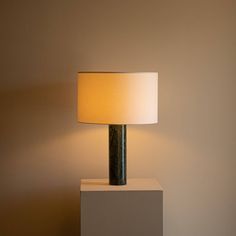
44,152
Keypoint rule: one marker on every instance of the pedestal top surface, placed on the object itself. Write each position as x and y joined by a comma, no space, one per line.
132,185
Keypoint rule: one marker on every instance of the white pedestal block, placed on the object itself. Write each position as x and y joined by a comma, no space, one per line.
135,209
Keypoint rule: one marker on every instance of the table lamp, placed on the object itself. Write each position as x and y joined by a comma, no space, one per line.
117,99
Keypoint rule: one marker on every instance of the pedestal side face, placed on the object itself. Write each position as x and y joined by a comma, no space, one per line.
123,213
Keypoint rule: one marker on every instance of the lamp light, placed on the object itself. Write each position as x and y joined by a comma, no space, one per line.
117,99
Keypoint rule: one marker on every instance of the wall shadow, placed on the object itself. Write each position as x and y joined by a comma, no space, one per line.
47,212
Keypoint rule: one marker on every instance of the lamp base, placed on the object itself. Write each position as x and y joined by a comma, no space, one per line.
117,154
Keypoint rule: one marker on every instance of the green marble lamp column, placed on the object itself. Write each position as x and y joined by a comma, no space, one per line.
117,154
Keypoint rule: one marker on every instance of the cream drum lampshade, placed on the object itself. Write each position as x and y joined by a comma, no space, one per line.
118,97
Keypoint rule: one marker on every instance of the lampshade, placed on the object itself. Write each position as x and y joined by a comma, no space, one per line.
117,97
